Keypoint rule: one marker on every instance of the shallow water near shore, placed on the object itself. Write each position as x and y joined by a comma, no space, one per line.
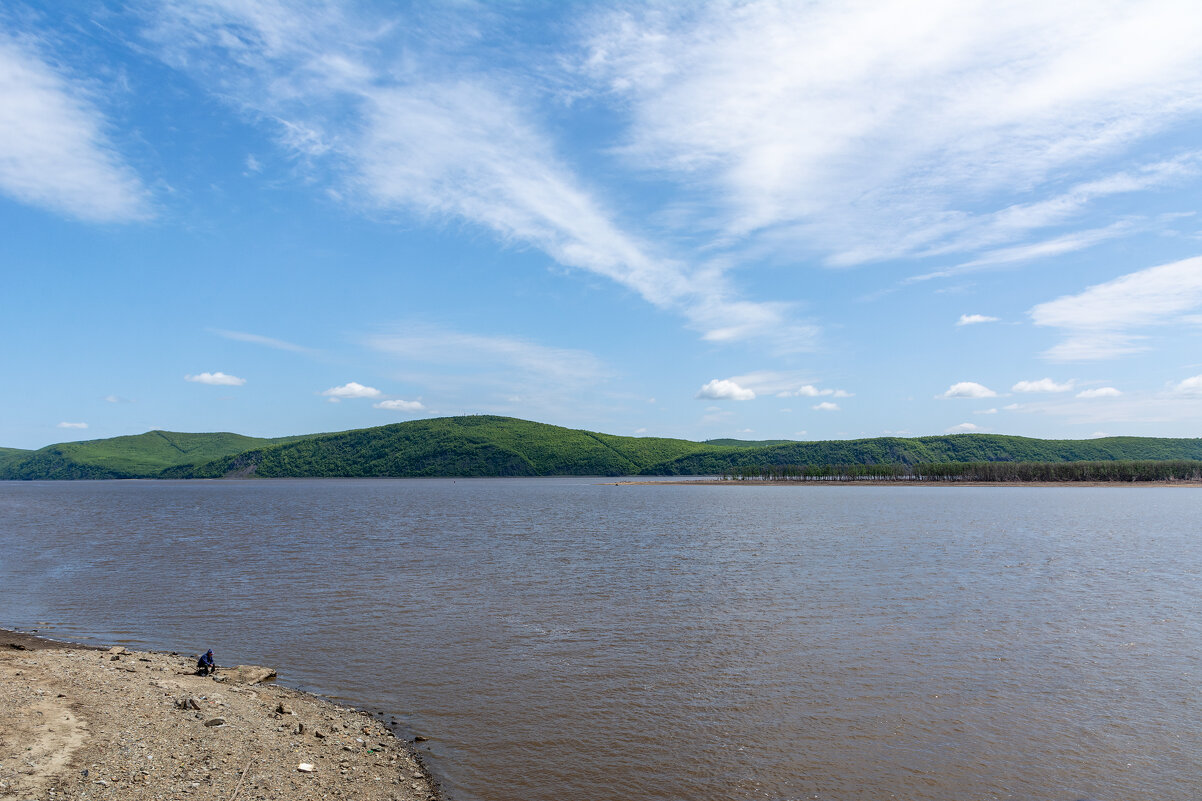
563,638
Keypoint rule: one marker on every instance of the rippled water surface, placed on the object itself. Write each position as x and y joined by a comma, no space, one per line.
561,638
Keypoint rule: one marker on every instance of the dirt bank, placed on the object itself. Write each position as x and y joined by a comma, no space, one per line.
79,722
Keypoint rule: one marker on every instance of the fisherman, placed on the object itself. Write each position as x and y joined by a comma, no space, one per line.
205,665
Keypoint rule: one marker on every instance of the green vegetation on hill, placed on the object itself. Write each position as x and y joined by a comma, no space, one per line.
503,446
9,456
140,456
1125,471
452,446
928,450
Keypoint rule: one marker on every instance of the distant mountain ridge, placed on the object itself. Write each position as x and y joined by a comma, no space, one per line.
485,445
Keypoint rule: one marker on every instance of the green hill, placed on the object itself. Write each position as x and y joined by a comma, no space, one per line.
453,446
140,456
502,446
928,450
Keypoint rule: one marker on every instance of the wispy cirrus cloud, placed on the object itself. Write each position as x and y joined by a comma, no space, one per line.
1020,219
1112,319
1066,243
471,372
257,339
54,151
1173,405
868,132
459,350
400,134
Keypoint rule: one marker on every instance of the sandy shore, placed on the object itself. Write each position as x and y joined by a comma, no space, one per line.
79,722
714,482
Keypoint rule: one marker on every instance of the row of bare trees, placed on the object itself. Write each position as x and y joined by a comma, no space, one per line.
1001,472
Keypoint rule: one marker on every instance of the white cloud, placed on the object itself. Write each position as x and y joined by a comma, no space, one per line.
869,130
466,145
826,406
974,319
986,411
1179,410
217,379
811,391
964,428
256,339
54,153
352,389
1100,392
477,353
968,389
116,399
72,425
400,405
1066,243
785,385
1042,385
463,150
1015,220
1191,387
1102,322
724,389
1012,407
499,374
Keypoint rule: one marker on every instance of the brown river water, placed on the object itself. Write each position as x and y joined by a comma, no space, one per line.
567,639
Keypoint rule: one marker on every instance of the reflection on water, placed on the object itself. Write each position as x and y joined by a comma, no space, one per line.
565,639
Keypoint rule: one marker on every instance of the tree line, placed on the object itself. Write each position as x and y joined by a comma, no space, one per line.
1000,472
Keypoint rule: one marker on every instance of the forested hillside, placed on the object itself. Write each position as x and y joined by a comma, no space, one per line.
485,445
139,456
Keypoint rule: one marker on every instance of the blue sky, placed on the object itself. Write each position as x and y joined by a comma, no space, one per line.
760,220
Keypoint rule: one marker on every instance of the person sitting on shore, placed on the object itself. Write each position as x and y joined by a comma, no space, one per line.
205,665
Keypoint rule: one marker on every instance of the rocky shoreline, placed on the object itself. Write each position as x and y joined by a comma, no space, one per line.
81,722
